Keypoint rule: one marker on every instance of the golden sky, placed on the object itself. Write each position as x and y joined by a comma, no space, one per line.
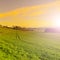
42,15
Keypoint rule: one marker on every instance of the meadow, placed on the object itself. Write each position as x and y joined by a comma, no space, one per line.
28,45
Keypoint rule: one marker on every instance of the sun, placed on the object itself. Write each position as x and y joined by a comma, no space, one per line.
56,20
57,23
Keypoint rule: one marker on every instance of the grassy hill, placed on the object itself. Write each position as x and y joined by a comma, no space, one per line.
28,45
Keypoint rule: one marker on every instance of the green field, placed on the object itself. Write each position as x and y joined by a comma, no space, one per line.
28,45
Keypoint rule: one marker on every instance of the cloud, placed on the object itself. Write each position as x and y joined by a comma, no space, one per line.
26,10
32,16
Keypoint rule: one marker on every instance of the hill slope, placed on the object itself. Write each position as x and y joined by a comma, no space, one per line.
28,45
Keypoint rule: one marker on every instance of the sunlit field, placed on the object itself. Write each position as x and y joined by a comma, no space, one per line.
28,45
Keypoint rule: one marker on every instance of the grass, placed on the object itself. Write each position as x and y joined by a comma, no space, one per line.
28,45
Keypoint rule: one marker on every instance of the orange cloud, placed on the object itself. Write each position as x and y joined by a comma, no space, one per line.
25,10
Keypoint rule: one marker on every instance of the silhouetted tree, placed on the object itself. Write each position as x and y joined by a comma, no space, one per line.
17,27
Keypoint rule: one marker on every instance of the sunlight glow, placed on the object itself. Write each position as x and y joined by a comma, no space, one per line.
56,20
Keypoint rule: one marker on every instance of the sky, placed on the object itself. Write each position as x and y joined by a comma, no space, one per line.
30,13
